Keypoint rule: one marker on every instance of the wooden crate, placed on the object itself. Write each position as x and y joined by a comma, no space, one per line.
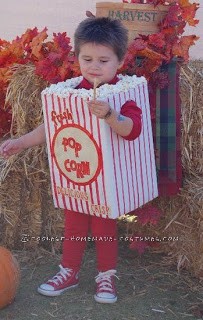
137,18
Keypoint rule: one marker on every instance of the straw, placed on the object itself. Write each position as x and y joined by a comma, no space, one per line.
96,83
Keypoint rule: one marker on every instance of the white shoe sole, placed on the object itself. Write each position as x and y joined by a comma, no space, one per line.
54,293
102,300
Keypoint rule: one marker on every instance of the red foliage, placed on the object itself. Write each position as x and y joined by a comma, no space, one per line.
138,245
148,214
141,243
182,46
165,45
131,1
54,62
188,12
5,121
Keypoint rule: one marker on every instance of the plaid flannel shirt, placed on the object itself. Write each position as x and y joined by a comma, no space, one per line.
166,130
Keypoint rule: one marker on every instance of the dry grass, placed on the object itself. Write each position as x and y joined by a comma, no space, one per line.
25,195
147,288
192,117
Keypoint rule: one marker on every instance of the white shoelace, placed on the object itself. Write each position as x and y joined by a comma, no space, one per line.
104,280
63,274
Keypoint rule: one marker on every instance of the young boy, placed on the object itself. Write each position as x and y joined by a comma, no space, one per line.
100,45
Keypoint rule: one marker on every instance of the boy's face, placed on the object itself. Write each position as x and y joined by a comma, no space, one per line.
98,61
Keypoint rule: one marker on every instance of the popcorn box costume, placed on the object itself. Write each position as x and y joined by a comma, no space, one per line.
94,170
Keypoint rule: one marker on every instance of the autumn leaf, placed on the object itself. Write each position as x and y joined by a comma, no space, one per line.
27,37
132,1
140,246
181,49
62,42
188,15
148,214
47,70
141,47
54,68
2,97
140,243
37,44
76,68
5,76
3,43
151,54
56,65
5,121
172,33
157,40
147,67
137,45
173,18
66,70
165,2
55,58
189,11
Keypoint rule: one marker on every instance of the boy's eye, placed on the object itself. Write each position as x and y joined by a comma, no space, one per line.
103,61
87,59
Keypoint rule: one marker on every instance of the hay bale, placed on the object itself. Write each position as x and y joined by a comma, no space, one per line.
191,93
10,209
24,96
184,219
179,233
20,199
25,195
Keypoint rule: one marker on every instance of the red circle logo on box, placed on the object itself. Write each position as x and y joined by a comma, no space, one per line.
77,154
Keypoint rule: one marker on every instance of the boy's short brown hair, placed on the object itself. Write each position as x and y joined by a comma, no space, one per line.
102,30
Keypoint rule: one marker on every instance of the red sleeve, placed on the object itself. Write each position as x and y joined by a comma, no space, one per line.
131,110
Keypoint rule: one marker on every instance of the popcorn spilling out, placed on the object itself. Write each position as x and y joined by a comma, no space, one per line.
61,89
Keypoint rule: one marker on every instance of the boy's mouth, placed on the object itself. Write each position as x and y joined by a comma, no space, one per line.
94,75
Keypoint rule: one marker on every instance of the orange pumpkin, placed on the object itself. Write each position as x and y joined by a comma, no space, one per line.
9,277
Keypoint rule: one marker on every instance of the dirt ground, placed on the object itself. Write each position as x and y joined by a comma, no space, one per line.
147,288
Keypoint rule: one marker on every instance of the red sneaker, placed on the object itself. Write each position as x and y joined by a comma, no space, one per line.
106,292
65,279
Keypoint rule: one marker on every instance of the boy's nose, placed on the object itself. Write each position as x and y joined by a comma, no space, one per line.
95,65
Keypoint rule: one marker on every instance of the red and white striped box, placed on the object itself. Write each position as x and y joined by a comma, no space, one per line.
93,170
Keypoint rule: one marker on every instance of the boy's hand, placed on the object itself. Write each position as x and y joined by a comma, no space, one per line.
11,147
98,108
